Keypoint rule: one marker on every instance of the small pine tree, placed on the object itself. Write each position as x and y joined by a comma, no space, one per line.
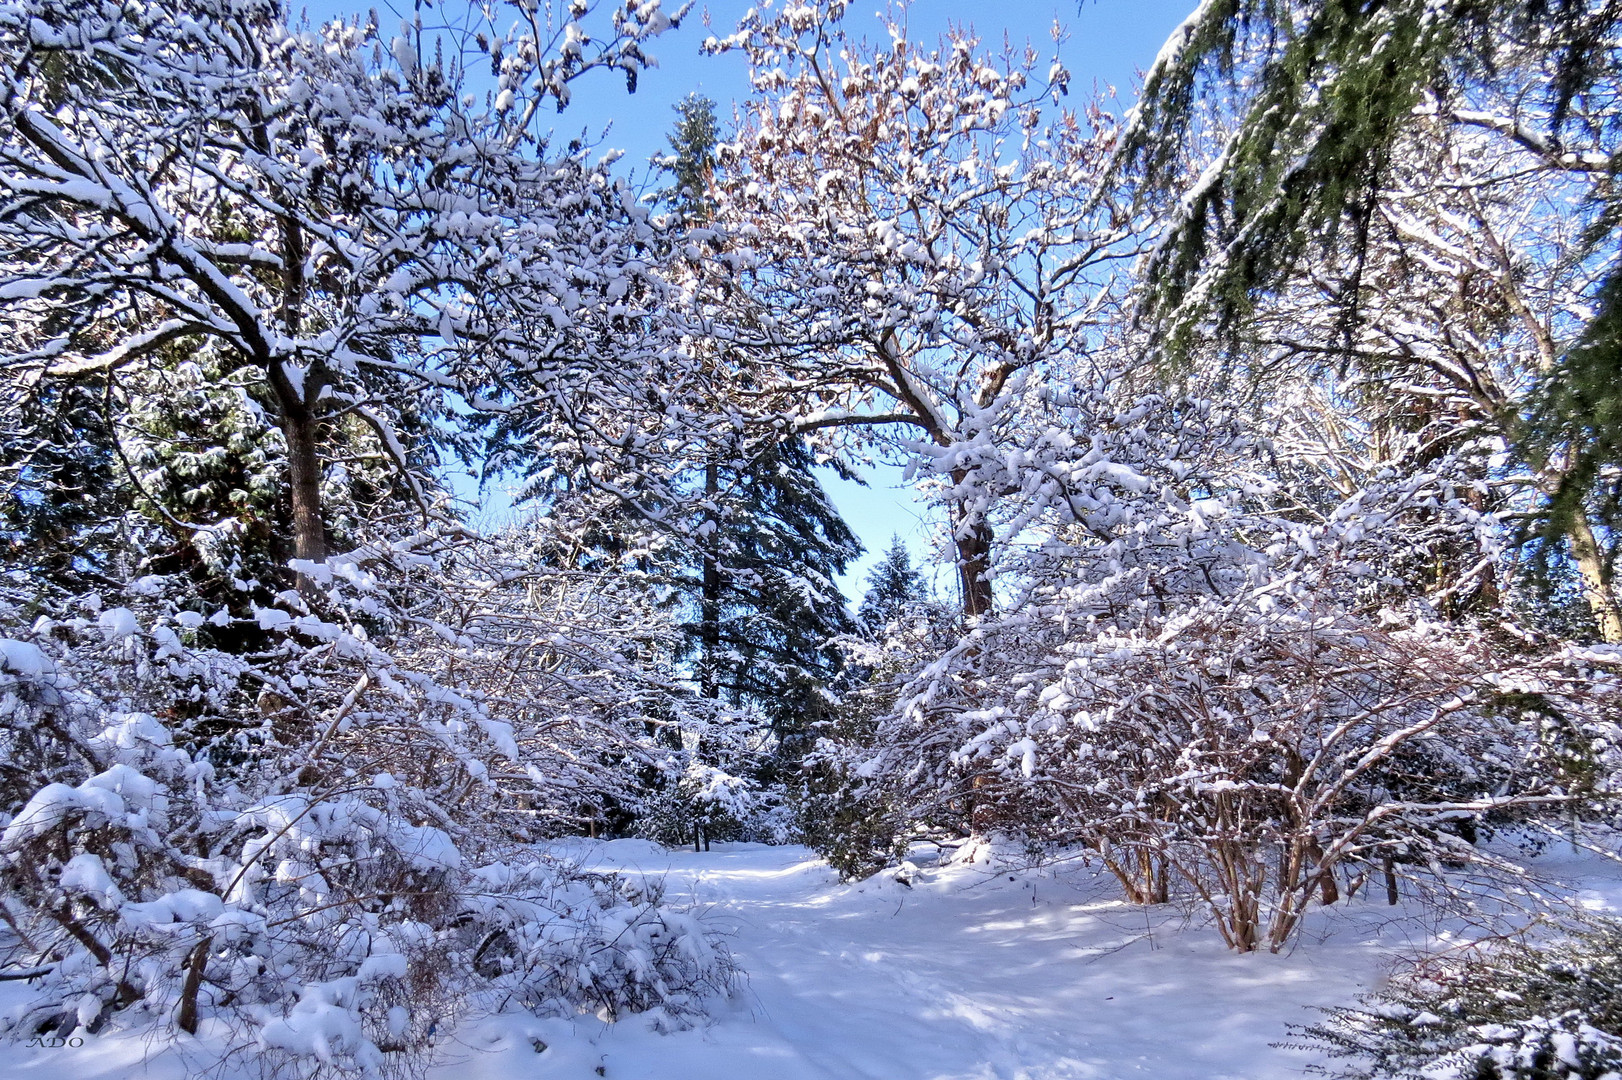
1510,1009
891,586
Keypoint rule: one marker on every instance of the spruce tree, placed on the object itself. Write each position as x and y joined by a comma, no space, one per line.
1314,98
692,157
891,586
762,586
766,544
59,513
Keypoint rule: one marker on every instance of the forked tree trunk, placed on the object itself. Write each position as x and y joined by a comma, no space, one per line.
971,536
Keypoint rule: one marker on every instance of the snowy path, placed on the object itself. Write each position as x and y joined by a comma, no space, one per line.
969,976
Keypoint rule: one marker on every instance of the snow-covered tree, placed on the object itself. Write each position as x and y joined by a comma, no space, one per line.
328,220
1226,690
691,161
892,585
315,847
1437,178
779,545
766,542
914,240
257,280
1464,286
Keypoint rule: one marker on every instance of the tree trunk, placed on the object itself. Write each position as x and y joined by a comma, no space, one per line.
709,619
971,536
304,482
192,986
1591,567
1596,578
973,542
300,416
63,917
973,562
301,430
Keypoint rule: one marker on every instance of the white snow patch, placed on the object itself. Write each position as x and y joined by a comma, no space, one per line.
118,623
21,658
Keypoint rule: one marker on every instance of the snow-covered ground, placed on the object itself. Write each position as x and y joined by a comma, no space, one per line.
976,972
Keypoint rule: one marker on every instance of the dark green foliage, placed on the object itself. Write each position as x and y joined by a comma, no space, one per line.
857,821
1317,94
1507,1010
778,545
205,470
1298,173
1577,424
692,157
673,814
1301,107
58,504
847,822
891,586
1546,593
177,470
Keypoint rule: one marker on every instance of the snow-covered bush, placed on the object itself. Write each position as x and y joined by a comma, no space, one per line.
694,802
1509,1009
1262,759
850,819
711,788
301,848
853,825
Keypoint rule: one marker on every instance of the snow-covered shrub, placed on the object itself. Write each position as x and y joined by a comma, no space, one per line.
1263,759
712,790
1509,1009
554,940
856,827
694,802
841,811
299,850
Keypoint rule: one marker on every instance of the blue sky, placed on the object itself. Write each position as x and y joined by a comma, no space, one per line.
1109,42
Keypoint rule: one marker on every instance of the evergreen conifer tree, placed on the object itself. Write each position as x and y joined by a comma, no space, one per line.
1320,95
780,543
1269,134
692,157
891,586
769,544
